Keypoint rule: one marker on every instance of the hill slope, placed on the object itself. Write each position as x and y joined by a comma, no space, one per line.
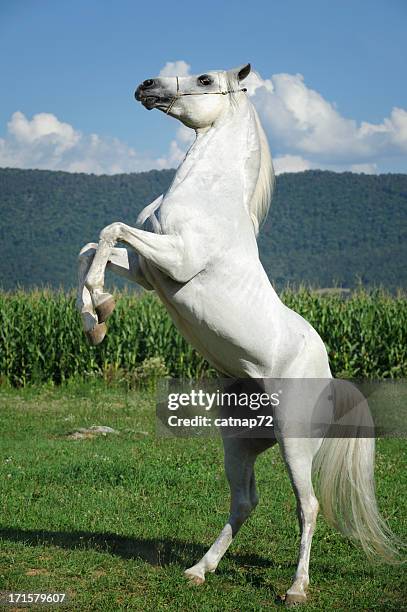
324,228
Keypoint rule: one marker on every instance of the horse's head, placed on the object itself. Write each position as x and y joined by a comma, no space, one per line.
197,100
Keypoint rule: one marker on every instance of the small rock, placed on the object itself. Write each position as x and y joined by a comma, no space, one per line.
90,432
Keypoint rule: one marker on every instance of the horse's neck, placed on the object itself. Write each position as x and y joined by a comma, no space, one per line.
230,148
209,152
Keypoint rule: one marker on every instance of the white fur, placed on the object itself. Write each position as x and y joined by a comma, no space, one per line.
202,260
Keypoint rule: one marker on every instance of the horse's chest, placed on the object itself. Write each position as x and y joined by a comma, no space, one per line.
174,217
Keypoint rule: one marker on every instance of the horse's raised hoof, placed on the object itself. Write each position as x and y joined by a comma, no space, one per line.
295,599
194,579
105,309
96,335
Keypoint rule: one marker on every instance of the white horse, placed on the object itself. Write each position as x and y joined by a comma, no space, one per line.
202,260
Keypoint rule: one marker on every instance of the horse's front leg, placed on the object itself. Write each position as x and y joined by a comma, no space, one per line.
167,252
94,330
123,263
102,302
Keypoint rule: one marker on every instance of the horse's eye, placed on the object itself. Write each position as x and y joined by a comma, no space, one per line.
205,79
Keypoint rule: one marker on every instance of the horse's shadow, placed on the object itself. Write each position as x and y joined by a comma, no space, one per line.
160,553
156,552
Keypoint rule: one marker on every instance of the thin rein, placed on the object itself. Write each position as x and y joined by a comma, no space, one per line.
200,93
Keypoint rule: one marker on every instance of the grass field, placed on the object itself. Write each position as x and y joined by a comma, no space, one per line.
114,520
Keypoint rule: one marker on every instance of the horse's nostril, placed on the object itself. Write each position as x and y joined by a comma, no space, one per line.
148,83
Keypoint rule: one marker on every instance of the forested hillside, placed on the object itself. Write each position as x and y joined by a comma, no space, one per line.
324,228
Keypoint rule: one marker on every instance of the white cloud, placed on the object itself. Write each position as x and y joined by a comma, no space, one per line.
43,126
45,142
307,131
290,163
304,129
299,121
179,68
254,82
364,168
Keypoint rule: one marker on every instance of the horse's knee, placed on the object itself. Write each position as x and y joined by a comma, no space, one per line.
111,232
308,510
87,251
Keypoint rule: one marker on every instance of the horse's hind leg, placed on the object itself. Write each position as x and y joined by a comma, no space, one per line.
298,454
240,456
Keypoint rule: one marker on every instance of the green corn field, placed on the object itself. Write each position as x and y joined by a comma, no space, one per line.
41,339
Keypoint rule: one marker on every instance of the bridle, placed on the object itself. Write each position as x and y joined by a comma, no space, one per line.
179,94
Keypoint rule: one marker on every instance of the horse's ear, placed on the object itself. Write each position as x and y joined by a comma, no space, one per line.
243,71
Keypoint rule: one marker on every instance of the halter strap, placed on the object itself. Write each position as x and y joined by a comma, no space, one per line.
179,94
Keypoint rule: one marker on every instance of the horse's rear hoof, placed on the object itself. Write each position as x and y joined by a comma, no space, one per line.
96,335
105,309
294,599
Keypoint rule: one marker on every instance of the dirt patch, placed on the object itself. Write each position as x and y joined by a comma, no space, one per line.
37,572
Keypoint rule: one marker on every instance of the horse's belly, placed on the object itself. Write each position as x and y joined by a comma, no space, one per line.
230,328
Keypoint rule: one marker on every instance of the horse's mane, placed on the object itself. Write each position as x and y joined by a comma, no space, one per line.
259,204
260,200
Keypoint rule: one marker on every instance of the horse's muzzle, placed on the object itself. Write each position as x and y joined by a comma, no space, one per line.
141,95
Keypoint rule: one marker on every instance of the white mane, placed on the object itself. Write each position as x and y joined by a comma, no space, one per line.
260,201
259,204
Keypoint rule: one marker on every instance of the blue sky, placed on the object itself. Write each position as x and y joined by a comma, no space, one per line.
68,72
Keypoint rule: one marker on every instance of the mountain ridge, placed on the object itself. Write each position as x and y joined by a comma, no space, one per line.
324,228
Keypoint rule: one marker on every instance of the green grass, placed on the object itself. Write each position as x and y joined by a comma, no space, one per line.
113,521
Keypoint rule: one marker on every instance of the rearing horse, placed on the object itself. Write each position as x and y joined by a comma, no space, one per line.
202,260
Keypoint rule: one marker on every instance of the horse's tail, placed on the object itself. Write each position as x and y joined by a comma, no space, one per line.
344,470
